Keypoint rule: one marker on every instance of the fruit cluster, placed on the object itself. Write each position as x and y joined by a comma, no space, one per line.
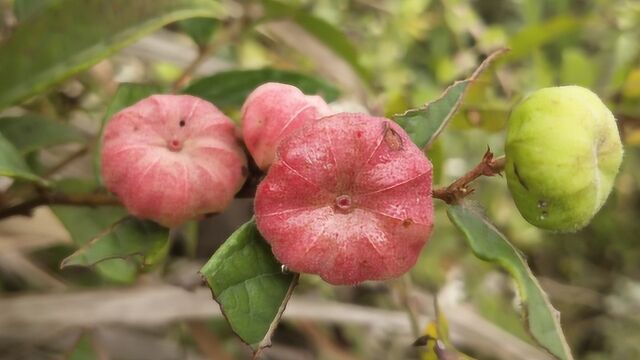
347,196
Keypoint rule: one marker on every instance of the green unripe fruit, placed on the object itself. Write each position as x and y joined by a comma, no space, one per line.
563,153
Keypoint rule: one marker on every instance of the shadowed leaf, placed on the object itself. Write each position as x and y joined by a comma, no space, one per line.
230,89
70,35
33,132
144,242
200,30
85,223
13,165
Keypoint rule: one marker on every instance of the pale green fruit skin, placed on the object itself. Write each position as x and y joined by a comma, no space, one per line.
563,152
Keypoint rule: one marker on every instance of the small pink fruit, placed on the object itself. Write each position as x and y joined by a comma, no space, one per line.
273,111
172,158
348,198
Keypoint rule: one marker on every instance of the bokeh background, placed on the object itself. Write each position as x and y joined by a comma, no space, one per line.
383,56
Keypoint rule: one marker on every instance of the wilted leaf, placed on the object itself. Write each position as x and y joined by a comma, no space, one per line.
248,283
32,132
425,124
487,243
71,35
230,89
144,242
13,165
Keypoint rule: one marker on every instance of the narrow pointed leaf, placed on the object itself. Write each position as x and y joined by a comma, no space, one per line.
424,124
70,35
487,243
230,89
248,283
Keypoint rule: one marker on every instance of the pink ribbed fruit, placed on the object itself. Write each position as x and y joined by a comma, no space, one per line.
172,158
273,111
348,198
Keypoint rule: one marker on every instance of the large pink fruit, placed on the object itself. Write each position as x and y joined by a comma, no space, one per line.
349,198
171,158
273,111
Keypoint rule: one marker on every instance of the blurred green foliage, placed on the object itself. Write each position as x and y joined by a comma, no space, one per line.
401,54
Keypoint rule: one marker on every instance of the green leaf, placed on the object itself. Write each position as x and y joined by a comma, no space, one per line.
13,165
127,95
425,124
26,8
33,132
85,223
327,33
247,281
199,29
487,243
71,35
533,37
230,89
83,349
144,242
578,68
334,39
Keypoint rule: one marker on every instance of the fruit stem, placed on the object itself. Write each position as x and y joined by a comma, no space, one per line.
488,166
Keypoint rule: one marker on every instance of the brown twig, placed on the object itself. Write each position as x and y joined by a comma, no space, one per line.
97,199
25,208
203,53
488,166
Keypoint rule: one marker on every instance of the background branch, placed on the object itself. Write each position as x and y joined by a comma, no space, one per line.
32,317
488,166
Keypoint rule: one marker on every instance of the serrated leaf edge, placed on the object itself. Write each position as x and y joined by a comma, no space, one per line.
554,312
142,264
474,76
